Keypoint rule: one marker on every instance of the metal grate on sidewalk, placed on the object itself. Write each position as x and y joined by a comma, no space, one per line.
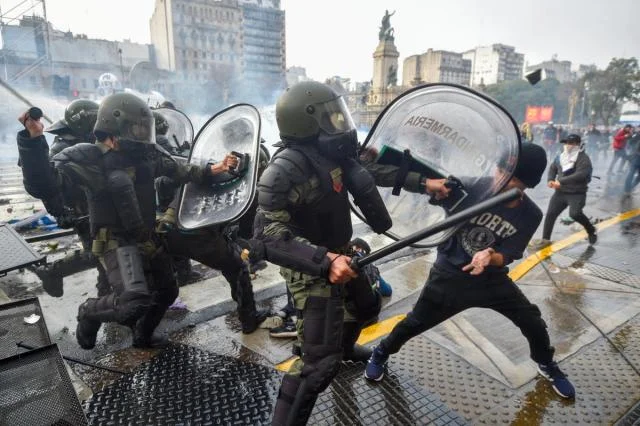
36,390
15,252
14,328
189,386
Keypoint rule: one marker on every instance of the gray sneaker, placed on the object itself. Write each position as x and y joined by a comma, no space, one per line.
540,244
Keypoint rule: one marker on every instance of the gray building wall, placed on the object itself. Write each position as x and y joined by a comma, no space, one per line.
264,49
436,66
560,70
28,60
494,63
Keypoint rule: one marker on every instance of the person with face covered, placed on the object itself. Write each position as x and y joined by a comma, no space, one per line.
117,174
303,224
569,174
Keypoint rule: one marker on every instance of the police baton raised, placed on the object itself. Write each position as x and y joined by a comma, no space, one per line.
453,220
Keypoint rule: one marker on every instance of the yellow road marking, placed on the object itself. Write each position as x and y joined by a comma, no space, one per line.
384,327
530,262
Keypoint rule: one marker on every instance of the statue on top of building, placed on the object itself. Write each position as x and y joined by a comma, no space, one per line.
386,30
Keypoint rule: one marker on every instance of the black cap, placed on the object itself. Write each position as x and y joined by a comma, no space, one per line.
531,164
359,242
572,138
534,76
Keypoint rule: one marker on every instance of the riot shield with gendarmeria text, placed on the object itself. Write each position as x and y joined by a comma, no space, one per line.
235,130
438,131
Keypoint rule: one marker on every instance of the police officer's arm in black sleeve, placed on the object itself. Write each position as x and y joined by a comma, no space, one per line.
40,178
281,190
582,173
386,176
183,173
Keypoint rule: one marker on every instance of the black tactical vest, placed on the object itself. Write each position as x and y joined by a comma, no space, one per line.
326,221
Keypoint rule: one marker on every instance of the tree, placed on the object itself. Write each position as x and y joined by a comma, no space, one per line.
608,89
515,95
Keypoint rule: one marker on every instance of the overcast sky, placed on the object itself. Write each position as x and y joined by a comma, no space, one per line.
338,37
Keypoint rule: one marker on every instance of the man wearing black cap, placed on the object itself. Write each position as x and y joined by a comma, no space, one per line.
471,271
569,174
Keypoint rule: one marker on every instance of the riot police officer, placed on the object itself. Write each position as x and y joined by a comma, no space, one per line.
117,174
75,127
303,224
218,247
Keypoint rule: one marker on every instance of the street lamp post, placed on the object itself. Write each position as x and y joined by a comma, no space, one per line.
122,67
584,97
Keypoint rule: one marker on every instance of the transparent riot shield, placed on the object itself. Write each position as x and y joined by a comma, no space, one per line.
234,130
180,132
438,131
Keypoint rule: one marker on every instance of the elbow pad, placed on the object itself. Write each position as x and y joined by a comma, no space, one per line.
362,186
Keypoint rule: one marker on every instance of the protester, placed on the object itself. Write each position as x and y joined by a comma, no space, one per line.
467,275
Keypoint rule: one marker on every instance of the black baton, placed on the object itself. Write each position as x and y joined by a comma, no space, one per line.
453,220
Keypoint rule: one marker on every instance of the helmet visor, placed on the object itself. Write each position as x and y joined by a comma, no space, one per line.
334,117
141,131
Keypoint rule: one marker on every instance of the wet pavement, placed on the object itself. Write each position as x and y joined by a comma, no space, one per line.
474,368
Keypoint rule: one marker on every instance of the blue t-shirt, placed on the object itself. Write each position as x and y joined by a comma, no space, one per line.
506,230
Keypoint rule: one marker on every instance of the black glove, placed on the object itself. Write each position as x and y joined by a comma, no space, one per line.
67,219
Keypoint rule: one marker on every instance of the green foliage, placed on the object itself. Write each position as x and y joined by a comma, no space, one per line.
515,95
608,89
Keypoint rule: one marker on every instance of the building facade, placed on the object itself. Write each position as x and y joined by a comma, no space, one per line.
36,56
559,70
234,47
494,63
264,50
436,66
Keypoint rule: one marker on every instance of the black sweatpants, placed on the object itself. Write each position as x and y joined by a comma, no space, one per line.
446,294
560,201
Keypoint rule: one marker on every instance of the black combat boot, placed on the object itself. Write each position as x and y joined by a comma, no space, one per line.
51,282
351,350
184,271
143,331
88,327
51,275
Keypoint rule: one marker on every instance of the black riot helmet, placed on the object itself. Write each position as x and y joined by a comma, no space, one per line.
126,116
310,111
81,116
161,123
78,122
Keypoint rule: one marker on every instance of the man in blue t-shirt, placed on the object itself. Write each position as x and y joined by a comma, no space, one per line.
471,271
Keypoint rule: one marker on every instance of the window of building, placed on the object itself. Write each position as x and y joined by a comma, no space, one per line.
32,79
96,83
84,83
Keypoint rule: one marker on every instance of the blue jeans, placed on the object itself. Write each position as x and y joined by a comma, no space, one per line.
634,174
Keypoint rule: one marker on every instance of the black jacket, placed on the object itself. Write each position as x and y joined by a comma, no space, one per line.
575,180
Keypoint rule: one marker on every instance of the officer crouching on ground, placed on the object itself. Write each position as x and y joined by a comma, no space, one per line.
117,174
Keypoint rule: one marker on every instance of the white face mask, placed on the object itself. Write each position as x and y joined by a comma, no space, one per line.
571,148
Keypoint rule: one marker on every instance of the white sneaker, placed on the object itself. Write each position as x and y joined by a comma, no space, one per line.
271,322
